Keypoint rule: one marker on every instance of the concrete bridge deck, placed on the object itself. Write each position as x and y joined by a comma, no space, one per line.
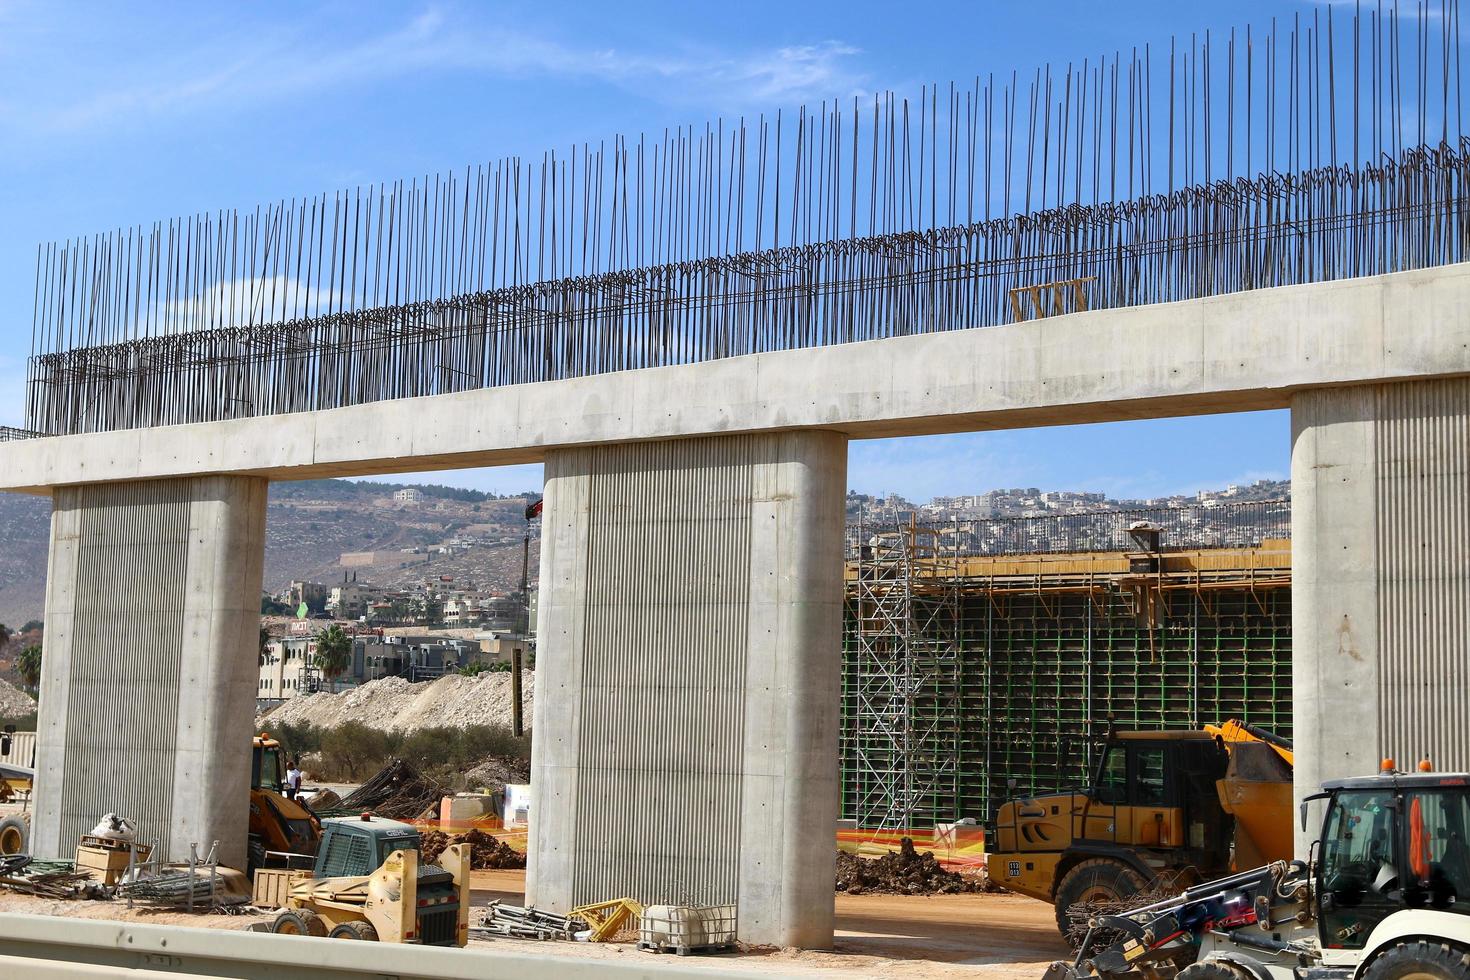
1235,352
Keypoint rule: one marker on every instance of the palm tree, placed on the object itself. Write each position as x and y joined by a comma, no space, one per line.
265,641
333,653
28,665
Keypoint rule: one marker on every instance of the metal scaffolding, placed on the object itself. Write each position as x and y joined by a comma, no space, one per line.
904,659
962,673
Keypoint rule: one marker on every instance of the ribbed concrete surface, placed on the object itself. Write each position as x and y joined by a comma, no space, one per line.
663,667
1422,443
148,678
125,647
687,688
1381,578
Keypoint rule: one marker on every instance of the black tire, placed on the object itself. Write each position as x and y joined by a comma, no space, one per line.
15,835
255,856
1094,880
1213,970
299,922
1418,960
359,930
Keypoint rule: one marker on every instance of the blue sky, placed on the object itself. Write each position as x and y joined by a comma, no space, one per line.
115,114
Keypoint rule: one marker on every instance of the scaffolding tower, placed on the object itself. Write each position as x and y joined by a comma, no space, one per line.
903,681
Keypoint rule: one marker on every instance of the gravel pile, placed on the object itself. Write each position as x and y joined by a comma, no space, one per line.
905,872
393,704
496,771
14,702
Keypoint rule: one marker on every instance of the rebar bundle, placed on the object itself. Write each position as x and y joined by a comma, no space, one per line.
396,791
1302,153
499,919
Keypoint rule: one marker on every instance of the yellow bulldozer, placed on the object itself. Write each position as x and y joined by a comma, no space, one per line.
1175,806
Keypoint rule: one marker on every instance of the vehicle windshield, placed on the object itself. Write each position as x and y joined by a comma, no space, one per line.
269,776
1360,884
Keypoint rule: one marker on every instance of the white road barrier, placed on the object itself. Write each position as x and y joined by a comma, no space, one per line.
40,947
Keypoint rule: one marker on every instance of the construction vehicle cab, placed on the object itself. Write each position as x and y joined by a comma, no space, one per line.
369,883
1387,898
283,832
1158,807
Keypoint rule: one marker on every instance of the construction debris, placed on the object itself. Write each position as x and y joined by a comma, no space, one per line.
906,872
396,791
199,884
487,853
47,879
498,919
1160,889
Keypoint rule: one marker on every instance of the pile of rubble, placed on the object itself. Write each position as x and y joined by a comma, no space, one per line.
905,872
15,703
496,771
486,853
393,704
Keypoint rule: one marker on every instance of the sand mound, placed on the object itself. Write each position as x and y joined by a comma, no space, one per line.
393,704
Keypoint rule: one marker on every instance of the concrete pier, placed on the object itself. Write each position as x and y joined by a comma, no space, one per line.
688,673
149,669
1380,480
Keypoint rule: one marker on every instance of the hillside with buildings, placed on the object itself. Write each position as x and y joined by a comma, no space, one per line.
392,538
324,531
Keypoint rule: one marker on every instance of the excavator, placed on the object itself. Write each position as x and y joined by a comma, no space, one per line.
283,832
1175,806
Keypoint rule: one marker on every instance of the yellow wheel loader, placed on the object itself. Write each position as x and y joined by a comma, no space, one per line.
1186,806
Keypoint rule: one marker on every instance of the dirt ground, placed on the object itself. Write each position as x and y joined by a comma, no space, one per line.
995,937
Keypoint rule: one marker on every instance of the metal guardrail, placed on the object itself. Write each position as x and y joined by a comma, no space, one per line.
41,947
11,434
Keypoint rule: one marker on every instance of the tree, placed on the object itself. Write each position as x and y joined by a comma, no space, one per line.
28,665
5,634
265,641
333,653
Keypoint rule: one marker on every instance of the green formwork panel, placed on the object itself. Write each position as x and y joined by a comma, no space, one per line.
1031,683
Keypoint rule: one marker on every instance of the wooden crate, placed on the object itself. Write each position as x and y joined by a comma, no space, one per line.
106,859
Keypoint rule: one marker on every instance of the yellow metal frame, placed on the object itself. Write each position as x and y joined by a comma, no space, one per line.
607,919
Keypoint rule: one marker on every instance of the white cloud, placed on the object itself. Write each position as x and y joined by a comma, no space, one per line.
281,65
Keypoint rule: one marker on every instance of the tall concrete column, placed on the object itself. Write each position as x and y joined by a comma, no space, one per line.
149,669
688,679
1380,479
